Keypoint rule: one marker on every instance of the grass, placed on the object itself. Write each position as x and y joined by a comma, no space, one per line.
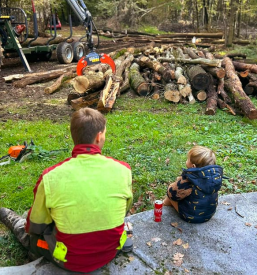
152,136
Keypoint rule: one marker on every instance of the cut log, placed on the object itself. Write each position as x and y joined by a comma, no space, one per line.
243,67
91,81
171,93
212,97
137,82
41,77
179,76
191,35
104,93
201,61
191,53
243,74
234,86
57,84
201,54
221,91
216,72
85,101
201,95
156,66
199,79
223,105
156,92
125,84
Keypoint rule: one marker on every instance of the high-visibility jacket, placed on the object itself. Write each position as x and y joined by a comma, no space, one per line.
81,203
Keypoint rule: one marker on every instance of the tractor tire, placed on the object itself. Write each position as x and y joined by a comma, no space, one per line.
64,53
45,56
32,57
78,50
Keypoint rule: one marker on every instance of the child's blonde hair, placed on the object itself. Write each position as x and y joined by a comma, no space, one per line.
201,156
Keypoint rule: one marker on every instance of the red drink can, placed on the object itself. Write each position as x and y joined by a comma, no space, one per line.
158,210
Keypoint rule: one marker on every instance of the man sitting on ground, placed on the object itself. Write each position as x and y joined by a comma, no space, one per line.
77,218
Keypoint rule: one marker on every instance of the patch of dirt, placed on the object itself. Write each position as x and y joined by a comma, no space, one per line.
31,103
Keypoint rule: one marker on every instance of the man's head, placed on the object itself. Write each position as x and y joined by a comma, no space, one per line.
88,126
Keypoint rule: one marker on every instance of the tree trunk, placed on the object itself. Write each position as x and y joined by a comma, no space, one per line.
41,77
201,95
91,81
137,82
243,67
156,66
212,98
171,93
234,85
85,101
57,84
223,105
201,61
216,72
199,79
221,91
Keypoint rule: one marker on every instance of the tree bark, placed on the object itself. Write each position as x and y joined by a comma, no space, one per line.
85,101
243,67
199,79
171,93
137,82
156,66
223,105
41,77
201,95
221,91
212,98
91,81
216,72
233,85
57,84
201,61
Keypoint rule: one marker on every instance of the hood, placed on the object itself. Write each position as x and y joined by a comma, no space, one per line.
208,179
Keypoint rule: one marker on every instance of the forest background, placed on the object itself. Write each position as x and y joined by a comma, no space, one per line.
235,18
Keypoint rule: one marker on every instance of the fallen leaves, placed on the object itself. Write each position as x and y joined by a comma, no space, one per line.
178,259
185,245
178,242
248,224
225,203
149,244
175,224
156,240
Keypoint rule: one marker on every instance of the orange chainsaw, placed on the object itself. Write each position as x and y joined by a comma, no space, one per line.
17,153
92,58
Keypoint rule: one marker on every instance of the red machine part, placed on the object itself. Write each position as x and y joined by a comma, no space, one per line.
94,58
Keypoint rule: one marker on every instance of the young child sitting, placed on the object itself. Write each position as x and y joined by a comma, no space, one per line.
194,195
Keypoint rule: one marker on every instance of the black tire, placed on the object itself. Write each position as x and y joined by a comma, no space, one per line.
45,56
78,50
64,53
32,57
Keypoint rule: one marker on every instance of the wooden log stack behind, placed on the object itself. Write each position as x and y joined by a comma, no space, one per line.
180,75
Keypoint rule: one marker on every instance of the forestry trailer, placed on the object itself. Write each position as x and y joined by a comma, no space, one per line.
14,32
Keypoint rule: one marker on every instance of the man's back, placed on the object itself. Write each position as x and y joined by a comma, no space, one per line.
87,196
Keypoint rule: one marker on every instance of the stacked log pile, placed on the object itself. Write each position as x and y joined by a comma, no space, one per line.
175,74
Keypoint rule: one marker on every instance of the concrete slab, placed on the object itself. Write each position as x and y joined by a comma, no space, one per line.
227,244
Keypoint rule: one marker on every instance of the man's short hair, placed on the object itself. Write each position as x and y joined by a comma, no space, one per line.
85,124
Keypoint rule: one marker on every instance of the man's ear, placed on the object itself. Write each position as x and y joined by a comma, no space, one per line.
98,137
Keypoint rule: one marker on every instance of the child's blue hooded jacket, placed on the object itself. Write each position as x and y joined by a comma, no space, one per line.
197,192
